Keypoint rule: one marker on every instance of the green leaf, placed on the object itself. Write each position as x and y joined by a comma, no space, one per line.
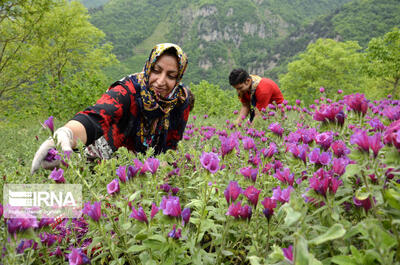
301,252
158,238
227,253
291,216
254,260
126,226
334,232
362,194
343,260
393,198
134,196
136,248
351,170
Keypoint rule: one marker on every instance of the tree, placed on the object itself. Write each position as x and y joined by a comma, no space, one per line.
48,47
383,55
326,63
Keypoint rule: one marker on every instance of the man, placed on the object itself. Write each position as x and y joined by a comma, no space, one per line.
255,93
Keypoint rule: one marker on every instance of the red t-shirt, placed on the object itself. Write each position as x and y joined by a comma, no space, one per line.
266,93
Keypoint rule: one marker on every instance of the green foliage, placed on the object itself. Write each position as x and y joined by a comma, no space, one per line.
327,63
213,101
63,50
383,54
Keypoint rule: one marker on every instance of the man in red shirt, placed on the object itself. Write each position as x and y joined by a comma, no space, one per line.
255,93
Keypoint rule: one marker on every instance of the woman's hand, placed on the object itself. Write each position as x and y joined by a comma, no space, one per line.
64,139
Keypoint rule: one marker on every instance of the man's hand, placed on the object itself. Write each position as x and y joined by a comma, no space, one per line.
64,138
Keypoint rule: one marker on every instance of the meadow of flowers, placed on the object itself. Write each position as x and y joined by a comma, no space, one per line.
312,184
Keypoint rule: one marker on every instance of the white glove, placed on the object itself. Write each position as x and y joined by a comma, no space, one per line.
64,138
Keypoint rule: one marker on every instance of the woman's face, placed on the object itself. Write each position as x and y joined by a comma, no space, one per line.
164,74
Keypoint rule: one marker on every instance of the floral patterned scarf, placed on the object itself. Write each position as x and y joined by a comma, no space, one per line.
156,110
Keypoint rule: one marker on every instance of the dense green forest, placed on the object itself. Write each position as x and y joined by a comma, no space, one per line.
54,50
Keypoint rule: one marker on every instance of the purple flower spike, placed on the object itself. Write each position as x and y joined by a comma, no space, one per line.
57,175
20,224
1,210
361,139
285,176
252,194
339,165
248,143
113,187
288,253
132,171
49,124
176,234
228,144
366,204
375,143
282,195
246,212
171,206
232,192
249,173
185,216
210,161
234,209
154,210
324,140
121,173
269,206
92,210
139,215
339,148
77,257
276,128
152,164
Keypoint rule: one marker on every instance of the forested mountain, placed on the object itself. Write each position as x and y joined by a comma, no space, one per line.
217,35
261,36
359,20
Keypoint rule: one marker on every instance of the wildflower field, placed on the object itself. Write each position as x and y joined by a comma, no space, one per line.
312,184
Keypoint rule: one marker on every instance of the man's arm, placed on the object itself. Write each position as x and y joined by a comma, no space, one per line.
244,111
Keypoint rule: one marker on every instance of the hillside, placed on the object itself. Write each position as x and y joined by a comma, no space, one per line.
359,20
217,35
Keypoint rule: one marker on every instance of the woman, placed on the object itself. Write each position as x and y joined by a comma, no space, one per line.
147,109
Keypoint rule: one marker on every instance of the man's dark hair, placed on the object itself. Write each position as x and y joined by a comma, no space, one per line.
238,76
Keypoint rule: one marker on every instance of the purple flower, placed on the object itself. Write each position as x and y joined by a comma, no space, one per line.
252,194
339,165
152,164
210,161
246,212
285,176
165,187
185,216
249,173
57,252
25,244
47,239
1,210
272,149
366,203
154,210
171,206
276,128
93,210
361,139
339,148
113,186
121,173
176,234
324,139
228,144
232,192
322,89
392,134
357,102
288,253
375,143
20,224
52,155
139,215
234,209
298,102
282,195
175,190
313,156
77,257
269,206
132,171
248,143
57,175
49,124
